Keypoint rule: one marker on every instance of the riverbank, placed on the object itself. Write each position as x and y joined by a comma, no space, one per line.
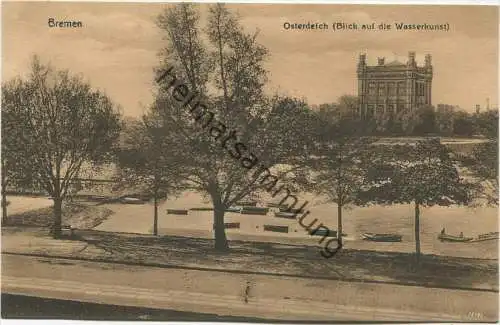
258,258
38,212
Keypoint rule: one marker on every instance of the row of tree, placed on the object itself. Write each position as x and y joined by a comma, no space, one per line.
353,169
445,120
53,123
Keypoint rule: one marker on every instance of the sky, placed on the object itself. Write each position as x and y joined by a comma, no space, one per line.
118,47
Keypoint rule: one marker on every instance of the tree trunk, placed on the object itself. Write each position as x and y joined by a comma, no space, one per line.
4,207
4,194
219,229
417,231
339,225
56,227
155,217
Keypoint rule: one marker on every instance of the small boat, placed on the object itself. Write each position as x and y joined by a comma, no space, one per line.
247,203
451,238
276,228
131,200
177,211
328,233
382,237
286,215
202,209
96,198
254,210
487,236
234,208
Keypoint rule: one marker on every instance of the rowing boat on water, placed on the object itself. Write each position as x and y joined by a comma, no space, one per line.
382,237
131,200
254,210
326,232
286,215
451,238
487,236
234,208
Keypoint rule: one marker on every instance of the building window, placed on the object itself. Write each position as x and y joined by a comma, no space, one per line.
369,111
419,89
400,106
381,89
401,88
371,88
391,88
380,109
390,108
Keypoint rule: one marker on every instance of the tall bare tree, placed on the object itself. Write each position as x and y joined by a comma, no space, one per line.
62,123
341,165
226,149
146,164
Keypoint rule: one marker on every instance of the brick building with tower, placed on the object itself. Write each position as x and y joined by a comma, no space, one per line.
393,88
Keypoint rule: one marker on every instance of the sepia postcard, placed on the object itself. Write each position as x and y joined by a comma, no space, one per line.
249,162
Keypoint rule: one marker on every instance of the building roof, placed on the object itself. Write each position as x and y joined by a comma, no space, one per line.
394,63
